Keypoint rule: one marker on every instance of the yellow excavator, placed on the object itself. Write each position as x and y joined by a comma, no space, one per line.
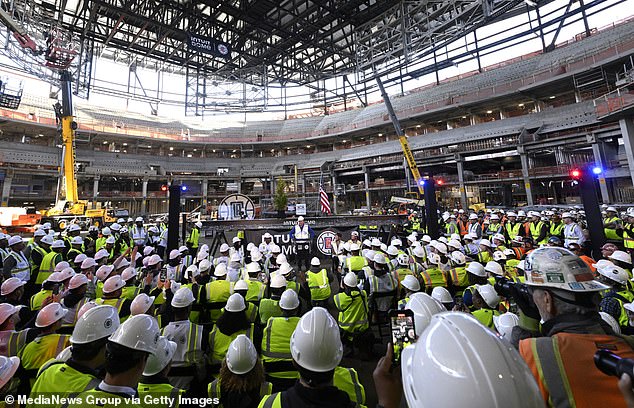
71,209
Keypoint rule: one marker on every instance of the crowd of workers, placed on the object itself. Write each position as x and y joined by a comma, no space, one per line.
509,310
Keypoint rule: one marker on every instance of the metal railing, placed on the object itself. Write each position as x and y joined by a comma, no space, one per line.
615,101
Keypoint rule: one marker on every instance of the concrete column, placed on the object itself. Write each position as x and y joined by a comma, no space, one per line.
144,195
95,188
627,132
527,182
205,186
366,177
6,188
463,192
334,194
598,161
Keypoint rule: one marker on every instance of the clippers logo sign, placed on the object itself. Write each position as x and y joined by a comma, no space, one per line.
208,46
324,242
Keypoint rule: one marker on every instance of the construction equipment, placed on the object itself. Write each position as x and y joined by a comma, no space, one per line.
15,220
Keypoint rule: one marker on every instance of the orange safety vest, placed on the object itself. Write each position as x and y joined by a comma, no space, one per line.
563,366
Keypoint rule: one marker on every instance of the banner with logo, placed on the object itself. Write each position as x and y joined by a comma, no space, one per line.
208,45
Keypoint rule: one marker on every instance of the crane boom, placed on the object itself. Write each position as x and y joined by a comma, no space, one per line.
68,138
407,152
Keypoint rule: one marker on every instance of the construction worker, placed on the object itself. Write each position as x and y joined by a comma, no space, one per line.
40,299
188,361
241,287
16,263
556,226
475,229
462,342
317,351
355,262
512,228
318,281
443,296
230,325
175,269
197,284
112,291
566,352
626,231
538,229
9,383
50,260
90,240
218,292
301,235
12,340
353,317
76,248
269,307
127,352
4,247
382,285
101,241
193,238
457,279
611,223
409,286
494,227
622,259
40,246
451,226
154,383
81,372
402,270
433,275
161,246
241,382
130,290
572,232
256,286
139,234
485,301
12,292
74,299
612,301
476,275
48,343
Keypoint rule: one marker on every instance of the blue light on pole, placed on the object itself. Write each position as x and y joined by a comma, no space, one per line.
421,182
597,170
183,188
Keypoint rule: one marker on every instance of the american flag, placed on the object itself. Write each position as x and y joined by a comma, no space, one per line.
323,198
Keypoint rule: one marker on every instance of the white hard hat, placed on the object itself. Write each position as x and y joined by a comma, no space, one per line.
97,323
53,277
86,307
61,266
315,343
256,255
191,272
148,250
410,237
375,242
458,353
74,227
354,247
370,254
110,240
454,243
102,253
267,235
7,310
508,252
285,269
80,258
615,273
410,282
511,214
88,263
115,227
202,255
274,248
280,259
380,259
458,257
182,248
113,284
289,300
278,281
8,367
444,240
253,267
66,273
486,243
499,237
613,209
477,269
204,265
392,250
504,324
489,295
315,261
48,240
241,355
235,303
199,224
174,254
424,307
104,271
157,362
77,281
251,246
10,285
397,242
128,273
433,258
50,314
351,280
183,297
495,217
440,247
220,270
473,216
566,215
153,260
419,252
616,328
58,244
559,268
16,239
300,218
139,332
224,248
494,268
441,294
236,257
241,285
402,259
138,219
106,231
39,233
621,256
426,239
235,240
520,265
141,304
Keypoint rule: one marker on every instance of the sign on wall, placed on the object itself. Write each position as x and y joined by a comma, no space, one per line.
208,45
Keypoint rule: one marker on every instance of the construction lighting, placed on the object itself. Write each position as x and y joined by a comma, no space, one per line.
183,187
440,182
164,187
521,105
575,173
552,97
421,182
380,134
489,112
597,170
171,148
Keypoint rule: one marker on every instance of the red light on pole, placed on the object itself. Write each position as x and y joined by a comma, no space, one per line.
440,182
575,173
164,187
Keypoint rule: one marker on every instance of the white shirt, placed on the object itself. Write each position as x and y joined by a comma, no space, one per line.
573,234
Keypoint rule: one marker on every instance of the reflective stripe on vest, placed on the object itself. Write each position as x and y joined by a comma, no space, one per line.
47,267
355,315
546,349
284,328
346,377
319,285
21,263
